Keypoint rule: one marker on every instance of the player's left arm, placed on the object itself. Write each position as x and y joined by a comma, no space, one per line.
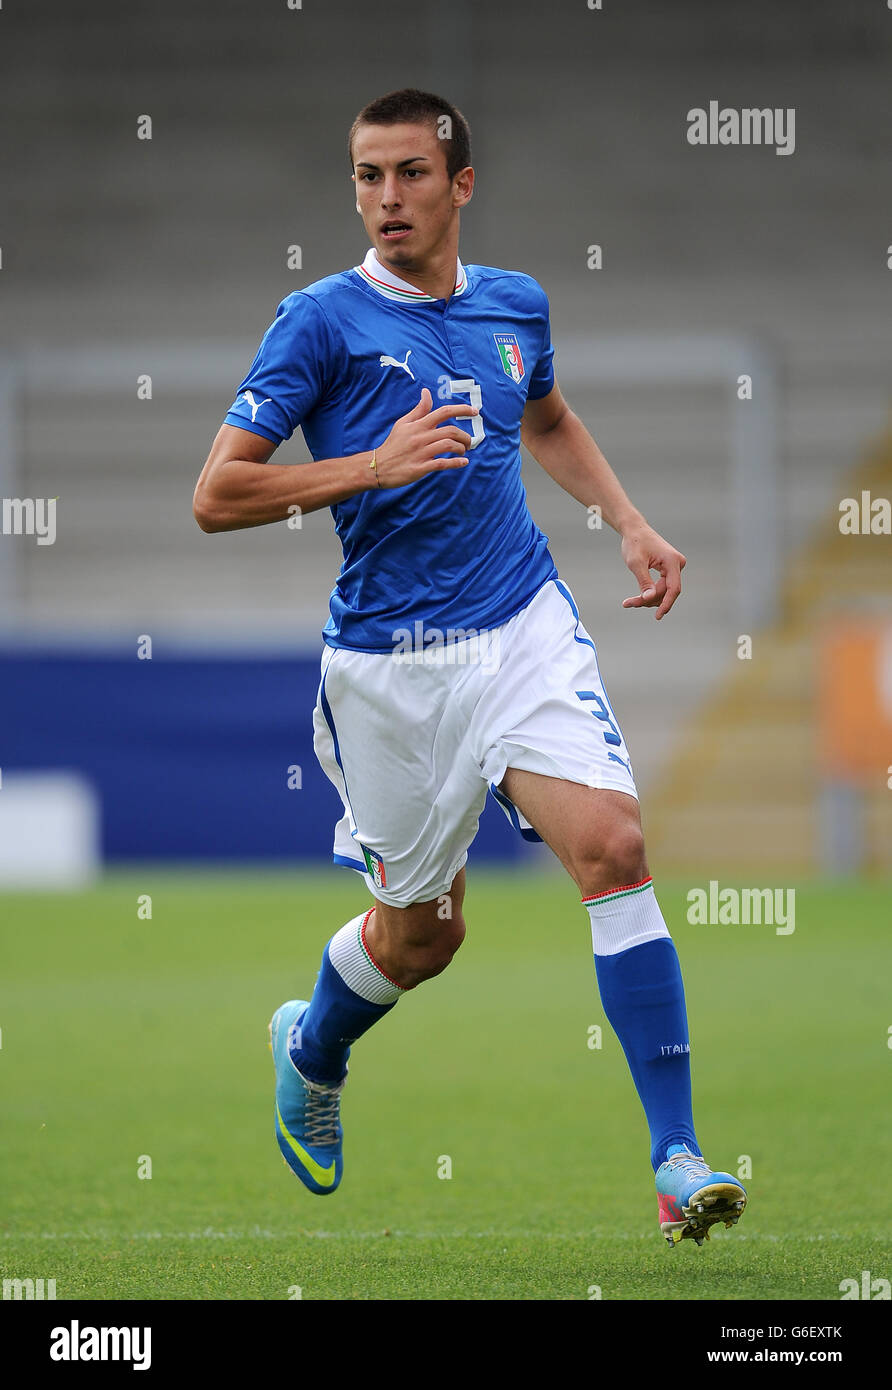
560,442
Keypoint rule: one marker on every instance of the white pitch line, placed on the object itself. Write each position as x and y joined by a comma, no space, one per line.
258,1233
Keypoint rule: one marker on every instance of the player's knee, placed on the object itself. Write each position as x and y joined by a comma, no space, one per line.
428,954
616,858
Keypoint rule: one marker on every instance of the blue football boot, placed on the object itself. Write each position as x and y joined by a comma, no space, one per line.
308,1127
693,1197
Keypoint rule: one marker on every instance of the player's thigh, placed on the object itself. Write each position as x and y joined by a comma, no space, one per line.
590,829
394,741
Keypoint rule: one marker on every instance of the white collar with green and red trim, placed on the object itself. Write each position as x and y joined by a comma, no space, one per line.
400,291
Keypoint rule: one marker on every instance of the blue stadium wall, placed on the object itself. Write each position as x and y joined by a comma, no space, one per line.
188,753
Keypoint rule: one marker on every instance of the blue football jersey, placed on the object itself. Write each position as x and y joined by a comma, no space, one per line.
344,359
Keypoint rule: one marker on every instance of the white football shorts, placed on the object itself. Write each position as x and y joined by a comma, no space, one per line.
413,739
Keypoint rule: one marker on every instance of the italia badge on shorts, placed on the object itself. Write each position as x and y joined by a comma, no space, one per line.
509,351
375,865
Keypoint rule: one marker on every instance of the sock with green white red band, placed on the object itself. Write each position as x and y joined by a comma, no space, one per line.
639,978
624,917
352,993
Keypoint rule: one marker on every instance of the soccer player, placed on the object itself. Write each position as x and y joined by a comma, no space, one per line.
455,661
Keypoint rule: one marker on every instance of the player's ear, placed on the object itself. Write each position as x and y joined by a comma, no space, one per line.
463,187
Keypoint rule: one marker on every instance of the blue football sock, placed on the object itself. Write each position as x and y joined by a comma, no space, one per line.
643,997
351,994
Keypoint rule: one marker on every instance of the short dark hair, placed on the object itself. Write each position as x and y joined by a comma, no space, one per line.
411,106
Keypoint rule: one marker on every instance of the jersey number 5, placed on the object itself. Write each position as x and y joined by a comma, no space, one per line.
467,386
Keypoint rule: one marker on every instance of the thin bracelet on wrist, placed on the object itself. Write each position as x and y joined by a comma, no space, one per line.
374,465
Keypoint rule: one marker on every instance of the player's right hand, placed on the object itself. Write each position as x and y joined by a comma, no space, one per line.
410,450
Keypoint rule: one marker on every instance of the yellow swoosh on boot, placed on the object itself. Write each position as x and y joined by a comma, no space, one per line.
324,1176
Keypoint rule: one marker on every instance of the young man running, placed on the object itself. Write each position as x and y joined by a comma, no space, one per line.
455,660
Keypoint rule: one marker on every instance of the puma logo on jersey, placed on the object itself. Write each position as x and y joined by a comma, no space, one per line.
386,361
255,405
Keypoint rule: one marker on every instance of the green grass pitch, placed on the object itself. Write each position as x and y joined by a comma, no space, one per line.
125,1039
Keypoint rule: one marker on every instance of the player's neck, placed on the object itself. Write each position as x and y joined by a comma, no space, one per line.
437,277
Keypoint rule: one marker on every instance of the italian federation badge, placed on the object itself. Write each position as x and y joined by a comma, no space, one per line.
375,865
509,351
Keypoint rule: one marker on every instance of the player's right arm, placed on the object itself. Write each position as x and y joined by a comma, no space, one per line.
238,486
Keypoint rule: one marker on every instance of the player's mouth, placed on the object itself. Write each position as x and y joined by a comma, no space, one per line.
395,231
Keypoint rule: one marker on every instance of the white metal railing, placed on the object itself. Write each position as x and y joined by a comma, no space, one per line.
626,360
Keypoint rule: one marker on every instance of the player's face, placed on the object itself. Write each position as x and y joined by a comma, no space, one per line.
408,202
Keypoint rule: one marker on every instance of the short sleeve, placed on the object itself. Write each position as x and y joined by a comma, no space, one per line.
290,373
542,377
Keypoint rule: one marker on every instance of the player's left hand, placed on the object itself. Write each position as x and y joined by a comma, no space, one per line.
644,550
